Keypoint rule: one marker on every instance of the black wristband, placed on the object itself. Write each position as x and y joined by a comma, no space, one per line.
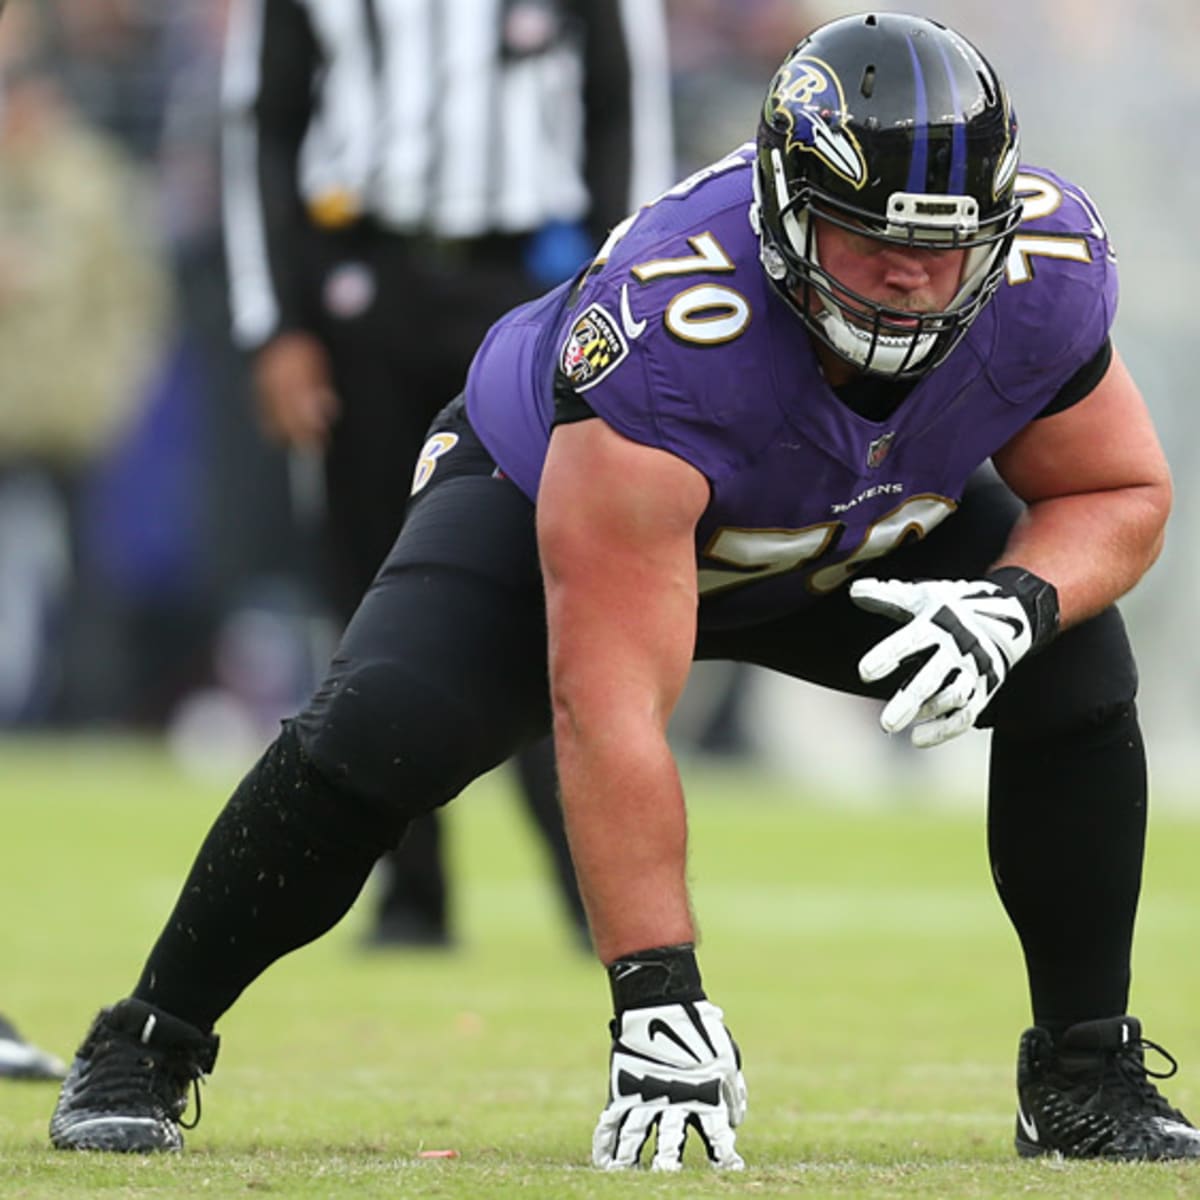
1038,598
664,975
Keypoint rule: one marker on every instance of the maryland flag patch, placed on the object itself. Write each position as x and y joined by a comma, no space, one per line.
593,348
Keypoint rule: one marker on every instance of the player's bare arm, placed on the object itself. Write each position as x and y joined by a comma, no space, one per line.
616,527
1099,491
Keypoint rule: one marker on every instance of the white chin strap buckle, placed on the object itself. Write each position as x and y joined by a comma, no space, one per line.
883,354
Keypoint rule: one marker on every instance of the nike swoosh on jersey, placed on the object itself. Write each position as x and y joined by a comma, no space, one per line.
633,329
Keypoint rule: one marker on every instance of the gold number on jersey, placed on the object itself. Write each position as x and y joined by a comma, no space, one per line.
708,256
767,552
707,314
1039,198
711,313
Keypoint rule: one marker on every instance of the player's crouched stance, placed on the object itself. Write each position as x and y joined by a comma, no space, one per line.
876,437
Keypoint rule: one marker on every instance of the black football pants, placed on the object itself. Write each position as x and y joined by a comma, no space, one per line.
442,674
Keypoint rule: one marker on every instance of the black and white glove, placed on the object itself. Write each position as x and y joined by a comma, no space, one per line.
673,1067
965,636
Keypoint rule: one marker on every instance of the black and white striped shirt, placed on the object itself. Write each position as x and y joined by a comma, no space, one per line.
440,118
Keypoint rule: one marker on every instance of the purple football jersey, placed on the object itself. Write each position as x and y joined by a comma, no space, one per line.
677,339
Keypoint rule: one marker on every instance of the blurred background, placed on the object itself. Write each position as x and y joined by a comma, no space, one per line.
157,556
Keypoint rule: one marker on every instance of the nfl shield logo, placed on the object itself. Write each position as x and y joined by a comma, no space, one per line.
877,451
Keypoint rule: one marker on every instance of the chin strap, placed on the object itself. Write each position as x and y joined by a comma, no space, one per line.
878,353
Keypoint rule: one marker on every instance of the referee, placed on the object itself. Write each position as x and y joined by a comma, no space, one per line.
398,173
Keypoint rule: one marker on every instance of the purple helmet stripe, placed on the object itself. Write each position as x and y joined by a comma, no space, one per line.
958,145
920,154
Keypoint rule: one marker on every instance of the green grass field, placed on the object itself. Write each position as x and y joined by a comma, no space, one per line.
862,959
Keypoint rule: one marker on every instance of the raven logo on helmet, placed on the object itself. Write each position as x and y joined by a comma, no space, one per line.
896,128
808,96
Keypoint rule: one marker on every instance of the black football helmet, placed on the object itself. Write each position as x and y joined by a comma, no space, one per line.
895,127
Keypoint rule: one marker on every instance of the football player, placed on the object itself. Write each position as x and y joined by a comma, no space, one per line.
844,404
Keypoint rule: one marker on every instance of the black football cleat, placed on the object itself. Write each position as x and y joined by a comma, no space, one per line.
20,1059
1092,1096
127,1089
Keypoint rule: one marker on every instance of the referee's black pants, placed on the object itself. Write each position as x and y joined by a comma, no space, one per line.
401,319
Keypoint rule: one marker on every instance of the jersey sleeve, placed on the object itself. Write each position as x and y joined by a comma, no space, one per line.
655,388
1059,300
669,344
1083,382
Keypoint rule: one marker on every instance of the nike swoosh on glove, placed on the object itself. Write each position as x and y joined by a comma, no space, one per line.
967,635
673,1067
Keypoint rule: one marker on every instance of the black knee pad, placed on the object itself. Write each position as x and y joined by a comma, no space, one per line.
393,737
288,787
1085,678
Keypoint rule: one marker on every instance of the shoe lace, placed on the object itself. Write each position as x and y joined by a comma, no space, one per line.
162,1074
1127,1070
195,1096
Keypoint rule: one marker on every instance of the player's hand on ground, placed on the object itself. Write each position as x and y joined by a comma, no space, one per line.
673,1068
962,636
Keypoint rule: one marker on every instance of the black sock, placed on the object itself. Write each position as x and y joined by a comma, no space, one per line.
282,864
1066,834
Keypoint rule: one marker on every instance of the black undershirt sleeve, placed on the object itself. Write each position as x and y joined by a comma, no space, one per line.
1082,383
569,405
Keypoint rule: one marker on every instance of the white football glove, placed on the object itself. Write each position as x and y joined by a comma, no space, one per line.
673,1067
973,631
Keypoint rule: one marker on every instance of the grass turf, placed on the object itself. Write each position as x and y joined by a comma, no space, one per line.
861,956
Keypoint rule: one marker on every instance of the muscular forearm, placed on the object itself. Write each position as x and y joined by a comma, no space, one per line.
616,537
624,810
1093,547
